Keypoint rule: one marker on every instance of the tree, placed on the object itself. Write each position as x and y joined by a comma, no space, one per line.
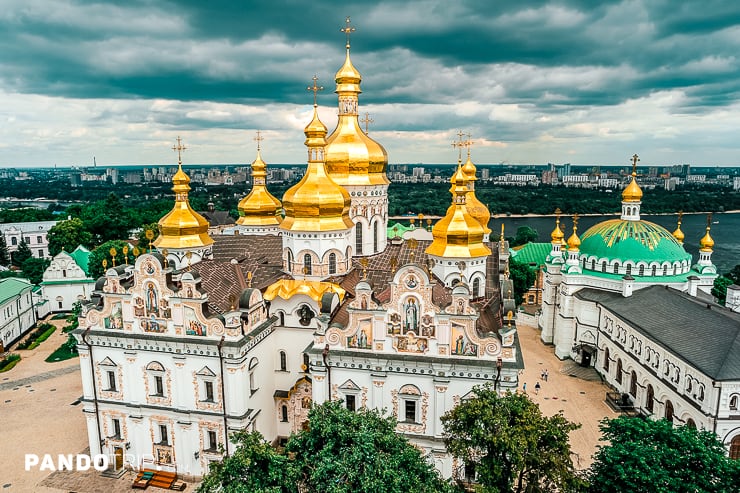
644,455
67,235
510,444
95,261
719,290
143,240
33,268
253,467
523,276
106,220
734,274
21,254
345,451
524,235
4,254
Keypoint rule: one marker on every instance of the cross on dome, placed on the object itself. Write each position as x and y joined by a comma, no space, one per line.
179,148
635,160
367,120
348,29
315,88
259,139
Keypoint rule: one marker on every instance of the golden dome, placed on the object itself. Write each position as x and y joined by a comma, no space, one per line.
557,234
678,234
574,242
260,207
706,244
353,158
182,227
475,207
458,234
632,192
316,203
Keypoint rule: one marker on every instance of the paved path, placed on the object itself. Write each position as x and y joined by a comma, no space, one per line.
12,384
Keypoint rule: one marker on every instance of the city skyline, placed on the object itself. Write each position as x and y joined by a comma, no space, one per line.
533,82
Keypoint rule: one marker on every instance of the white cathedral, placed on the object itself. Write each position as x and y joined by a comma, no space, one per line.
209,335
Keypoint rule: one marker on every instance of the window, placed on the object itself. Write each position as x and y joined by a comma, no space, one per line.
283,361
306,363
665,270
606,360
284,414
252,366
641,271
733,403
358,238
653,270
603,266
163,435
616,267
39,240
212,440
290,261
350,401
593,264
27,240
669,411
332,263
158,386
116,428
690,423
64,272
618,376
649,398
629,269
14,241
41,253
111,380
208,385
410,410
735,448
60,305
476,287
307,264
633,384
375,237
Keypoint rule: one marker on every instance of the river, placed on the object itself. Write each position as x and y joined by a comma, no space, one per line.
726,231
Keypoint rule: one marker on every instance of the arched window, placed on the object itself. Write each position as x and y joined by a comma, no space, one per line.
332,263
358,238
283,361
306,363
633,384
653,270
375,237
618,376
290,261
665,270
690,423
593,264
284,414
616,267
603,266
735,448
733,403
629,269
641,272
649,398
252,383
307,264
476,287
606,360
669,411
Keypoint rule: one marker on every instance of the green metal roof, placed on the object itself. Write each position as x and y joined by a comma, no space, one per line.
13,286
397,230
531,253
617,239
81,256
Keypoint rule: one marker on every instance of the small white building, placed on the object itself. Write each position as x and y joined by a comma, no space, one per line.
17,315
33,233
67,281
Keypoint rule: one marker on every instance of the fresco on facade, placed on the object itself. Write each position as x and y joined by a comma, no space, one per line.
411,344
362,339
394,324
152,299
411,316
461,345
152,324
115,320
139,308
193,327
427,325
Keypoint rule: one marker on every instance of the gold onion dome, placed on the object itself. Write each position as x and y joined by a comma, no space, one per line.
353,158
574,242
706,244
632,192
458,234
260,207
678,234
182,227
557,234
316,203
475,207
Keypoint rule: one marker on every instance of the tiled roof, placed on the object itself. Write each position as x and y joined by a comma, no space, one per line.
706,336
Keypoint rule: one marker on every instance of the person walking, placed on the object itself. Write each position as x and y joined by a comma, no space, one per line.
546,374
537,388
524,387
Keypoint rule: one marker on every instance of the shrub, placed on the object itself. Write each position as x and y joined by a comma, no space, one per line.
8,362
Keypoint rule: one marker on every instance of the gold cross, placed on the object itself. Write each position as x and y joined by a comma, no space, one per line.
468,144
680,217
367,120
459,144
259,139
635,160
709,221
348,29
315,88
179,148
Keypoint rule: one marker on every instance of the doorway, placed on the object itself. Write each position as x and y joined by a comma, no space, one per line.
117,458
585,358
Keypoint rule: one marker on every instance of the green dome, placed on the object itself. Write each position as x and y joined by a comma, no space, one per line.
638,241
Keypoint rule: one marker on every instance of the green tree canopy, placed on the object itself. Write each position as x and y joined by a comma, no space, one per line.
95,261
719,289
24,215
4,254
341,452
523,276
33,268
510,444
106,220
21,254
651,456
67,235
524,235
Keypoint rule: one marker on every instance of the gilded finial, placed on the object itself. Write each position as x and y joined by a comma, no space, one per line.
125,253
259,137
149,234
635,160
249,279
189,256
678,234
315,88
348,29
363,263
459,144
502,232
367,120
469,144
394,263
113,252
179,148
706,244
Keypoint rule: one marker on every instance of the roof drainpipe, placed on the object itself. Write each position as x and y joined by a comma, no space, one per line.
223,395
94,386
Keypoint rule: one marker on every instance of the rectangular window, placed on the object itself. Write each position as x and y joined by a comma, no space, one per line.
111,378
27,239
60,305
41,254
163,438
39,240
209,391
158,387
410,410
351,402
212,441
117,428
14,241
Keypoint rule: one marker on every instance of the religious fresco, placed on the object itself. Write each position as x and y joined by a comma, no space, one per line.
115,320
427,325
411,344
394,323
151,299
362,339
461,345
193,327
411,316
139,308
152,324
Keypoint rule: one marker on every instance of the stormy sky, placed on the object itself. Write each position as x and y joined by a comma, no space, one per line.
531,81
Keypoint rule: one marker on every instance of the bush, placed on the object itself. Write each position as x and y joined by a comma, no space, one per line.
66,351
8,362
38,336
44,336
